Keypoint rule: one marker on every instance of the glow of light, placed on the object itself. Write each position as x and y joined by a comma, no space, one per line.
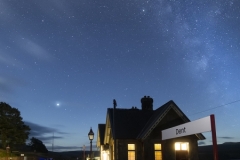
177,146
104,156
181,146
184,146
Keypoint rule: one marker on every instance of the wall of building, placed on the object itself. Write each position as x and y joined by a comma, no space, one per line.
122,149
168,146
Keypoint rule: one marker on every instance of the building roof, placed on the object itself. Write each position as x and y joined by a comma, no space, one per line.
101,130
159,115
136,123
127,123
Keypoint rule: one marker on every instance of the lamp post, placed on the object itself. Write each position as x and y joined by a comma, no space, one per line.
7,149
83,152
91,136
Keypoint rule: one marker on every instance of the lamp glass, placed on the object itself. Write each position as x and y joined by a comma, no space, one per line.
91,134
90,137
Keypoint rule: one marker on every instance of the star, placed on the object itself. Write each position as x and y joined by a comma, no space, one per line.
57,104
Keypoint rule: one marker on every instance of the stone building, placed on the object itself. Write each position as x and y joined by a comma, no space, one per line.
135,134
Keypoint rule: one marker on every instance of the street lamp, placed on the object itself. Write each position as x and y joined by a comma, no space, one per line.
7,149
91,136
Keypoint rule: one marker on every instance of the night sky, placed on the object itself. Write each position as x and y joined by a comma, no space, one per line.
62,62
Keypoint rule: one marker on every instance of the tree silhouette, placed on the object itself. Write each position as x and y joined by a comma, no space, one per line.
13,131
37,145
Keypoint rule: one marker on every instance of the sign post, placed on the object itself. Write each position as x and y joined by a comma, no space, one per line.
214,137
205,124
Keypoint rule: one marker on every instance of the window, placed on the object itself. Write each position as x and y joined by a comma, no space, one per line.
181,146
158,151
131,151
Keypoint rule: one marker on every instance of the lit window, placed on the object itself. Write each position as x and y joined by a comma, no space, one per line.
131,151
131,146
181,146
177,146
184,146
157,147
158,151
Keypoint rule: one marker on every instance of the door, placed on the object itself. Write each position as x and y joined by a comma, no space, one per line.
181,155
182,150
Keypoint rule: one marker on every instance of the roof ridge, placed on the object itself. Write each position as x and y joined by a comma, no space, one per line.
125,108
153,118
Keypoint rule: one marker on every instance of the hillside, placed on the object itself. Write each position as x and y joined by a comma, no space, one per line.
226,151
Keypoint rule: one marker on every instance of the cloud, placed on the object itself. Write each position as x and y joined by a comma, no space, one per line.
44,133
8,83
6,60
47,135
201,143
5,87
33,49
71,148
226,137
65,148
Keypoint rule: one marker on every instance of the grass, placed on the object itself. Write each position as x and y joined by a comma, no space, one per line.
3,153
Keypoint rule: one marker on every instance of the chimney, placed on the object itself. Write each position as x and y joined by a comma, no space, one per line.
147,103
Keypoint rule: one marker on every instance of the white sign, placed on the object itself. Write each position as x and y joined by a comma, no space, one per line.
194,127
